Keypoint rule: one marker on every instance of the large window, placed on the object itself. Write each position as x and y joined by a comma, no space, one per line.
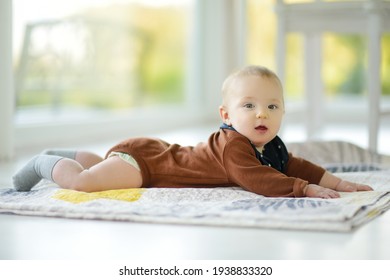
81,57
344,55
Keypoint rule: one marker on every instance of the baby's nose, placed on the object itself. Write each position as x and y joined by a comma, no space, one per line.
262,115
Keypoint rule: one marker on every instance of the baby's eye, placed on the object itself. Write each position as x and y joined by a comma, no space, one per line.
249,106
273,107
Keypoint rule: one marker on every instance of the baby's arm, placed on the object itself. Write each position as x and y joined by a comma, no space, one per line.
330,185
333,182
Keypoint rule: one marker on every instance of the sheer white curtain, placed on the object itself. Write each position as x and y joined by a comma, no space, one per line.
219,49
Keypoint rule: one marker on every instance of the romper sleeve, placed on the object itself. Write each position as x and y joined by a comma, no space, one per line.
244,169
306,170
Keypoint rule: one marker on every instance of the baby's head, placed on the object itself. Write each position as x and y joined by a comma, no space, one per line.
252,103
251,70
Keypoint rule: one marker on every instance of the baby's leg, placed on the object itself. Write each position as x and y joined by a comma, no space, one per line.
112,173
86,159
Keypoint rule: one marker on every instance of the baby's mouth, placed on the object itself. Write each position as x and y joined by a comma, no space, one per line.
261,128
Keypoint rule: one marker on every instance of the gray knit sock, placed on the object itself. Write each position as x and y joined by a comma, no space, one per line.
60,152
39,167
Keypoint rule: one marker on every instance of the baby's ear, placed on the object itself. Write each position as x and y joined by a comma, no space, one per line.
224,115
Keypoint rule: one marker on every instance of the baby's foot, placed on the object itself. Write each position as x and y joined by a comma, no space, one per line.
27,177
38,167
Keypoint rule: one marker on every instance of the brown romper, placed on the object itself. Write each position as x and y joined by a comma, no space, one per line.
227,159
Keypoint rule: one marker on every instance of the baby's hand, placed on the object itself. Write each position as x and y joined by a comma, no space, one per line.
346,186
321,192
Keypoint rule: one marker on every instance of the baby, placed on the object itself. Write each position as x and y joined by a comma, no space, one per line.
244,152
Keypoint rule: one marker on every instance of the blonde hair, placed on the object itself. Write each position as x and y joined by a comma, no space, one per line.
251,70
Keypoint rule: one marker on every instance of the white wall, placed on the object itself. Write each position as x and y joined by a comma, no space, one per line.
6,81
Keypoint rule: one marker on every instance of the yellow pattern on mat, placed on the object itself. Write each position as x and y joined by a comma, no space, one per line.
129,195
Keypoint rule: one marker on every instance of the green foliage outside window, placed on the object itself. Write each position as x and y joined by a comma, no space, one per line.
120,56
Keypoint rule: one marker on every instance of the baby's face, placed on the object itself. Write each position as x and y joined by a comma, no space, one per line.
254,107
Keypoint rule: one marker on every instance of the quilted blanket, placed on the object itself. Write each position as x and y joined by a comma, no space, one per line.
207,206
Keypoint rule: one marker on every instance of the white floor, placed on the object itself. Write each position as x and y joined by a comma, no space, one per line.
52,238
